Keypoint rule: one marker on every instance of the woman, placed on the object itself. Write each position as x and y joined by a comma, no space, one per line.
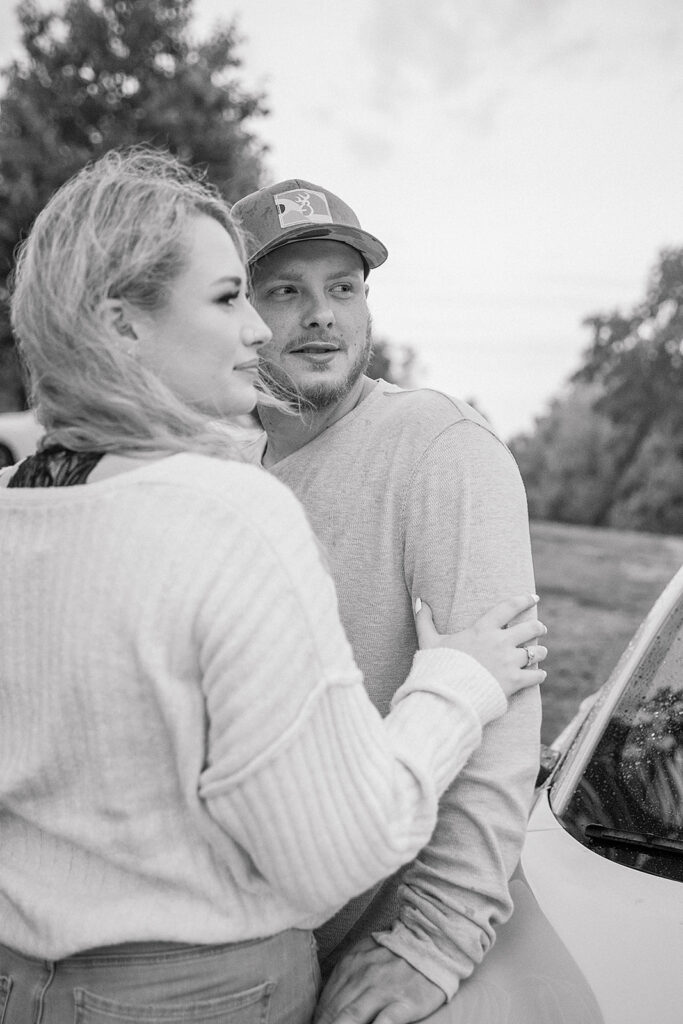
191,773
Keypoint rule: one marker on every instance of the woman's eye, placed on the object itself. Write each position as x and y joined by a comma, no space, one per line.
228,298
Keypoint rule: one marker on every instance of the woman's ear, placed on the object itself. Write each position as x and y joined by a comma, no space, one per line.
116,318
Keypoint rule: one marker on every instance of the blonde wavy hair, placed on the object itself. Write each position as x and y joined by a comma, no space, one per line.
117,229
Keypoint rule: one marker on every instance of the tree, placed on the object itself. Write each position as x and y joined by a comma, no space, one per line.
567,463
610,452
104,73
650,491
637,359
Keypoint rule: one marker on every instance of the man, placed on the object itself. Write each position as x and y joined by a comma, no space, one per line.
411,494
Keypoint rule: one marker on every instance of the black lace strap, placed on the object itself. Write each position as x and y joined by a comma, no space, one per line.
55,467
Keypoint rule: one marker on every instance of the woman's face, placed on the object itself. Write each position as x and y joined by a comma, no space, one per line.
204,342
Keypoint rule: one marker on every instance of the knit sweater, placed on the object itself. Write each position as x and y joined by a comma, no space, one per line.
187,752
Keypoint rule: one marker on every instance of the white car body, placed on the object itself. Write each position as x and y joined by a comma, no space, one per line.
593,940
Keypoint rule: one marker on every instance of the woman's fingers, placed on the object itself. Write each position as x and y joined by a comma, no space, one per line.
524,631
427,635
530,677
497,618
532,654
499,649
501,614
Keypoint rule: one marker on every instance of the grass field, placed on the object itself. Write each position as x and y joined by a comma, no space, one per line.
596,586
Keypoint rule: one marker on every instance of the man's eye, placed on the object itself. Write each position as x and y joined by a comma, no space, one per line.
344,287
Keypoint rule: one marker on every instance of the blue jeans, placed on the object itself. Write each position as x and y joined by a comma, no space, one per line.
265,981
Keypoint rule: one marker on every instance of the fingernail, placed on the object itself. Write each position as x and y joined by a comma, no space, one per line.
418,604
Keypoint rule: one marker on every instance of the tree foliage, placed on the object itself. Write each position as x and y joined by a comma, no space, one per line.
610,452
98,74
638,359
567,462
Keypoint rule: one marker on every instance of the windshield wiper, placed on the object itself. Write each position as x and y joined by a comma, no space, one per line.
646,841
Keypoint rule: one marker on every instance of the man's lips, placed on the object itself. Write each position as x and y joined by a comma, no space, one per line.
314,348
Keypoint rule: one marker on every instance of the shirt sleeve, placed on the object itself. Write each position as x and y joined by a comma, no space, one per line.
302,772
467,547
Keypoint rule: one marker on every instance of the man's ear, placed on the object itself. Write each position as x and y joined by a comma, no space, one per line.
117,319
367,289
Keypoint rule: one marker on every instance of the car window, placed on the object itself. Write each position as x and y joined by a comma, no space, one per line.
627,804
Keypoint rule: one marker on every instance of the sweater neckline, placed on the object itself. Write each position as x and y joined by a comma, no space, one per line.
149,469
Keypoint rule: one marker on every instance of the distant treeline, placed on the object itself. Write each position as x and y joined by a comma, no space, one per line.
609,452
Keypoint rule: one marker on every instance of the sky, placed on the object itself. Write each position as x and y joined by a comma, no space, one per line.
522,160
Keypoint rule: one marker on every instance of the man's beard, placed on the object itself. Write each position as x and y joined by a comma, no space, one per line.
312,395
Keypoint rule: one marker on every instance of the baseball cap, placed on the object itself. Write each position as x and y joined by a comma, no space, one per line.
295,210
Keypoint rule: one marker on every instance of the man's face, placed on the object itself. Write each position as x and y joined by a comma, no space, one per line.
312,295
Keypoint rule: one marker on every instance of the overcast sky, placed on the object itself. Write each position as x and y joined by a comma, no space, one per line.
521,159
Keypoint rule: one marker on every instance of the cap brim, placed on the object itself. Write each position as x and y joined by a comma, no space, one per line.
371,249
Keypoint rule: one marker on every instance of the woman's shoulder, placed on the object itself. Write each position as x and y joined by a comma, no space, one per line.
216,475
237,506
229,485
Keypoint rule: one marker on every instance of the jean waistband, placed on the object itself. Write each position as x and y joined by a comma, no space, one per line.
142,951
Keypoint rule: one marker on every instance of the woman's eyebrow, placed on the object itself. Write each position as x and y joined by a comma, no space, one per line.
237,281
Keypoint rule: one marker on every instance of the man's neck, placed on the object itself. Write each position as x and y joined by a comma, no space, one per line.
287,433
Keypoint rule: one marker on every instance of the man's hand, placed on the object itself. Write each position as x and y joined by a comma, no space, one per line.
373,984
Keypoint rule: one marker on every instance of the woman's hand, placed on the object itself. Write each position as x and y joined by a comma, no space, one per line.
494,642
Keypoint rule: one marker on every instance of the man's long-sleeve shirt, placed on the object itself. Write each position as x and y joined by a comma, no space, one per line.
412,494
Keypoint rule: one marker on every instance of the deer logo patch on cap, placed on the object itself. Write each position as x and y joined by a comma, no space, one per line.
302,206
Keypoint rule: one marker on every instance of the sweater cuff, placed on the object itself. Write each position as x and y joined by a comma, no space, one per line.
455,676
423,957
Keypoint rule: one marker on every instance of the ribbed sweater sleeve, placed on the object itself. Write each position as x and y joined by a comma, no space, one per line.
187,751
302,771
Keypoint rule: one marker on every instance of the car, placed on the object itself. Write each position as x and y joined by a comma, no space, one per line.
596,936
19,435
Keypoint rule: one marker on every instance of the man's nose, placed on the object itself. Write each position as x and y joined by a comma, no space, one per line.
319,313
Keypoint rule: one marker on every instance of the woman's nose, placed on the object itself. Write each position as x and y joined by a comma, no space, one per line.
257,332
